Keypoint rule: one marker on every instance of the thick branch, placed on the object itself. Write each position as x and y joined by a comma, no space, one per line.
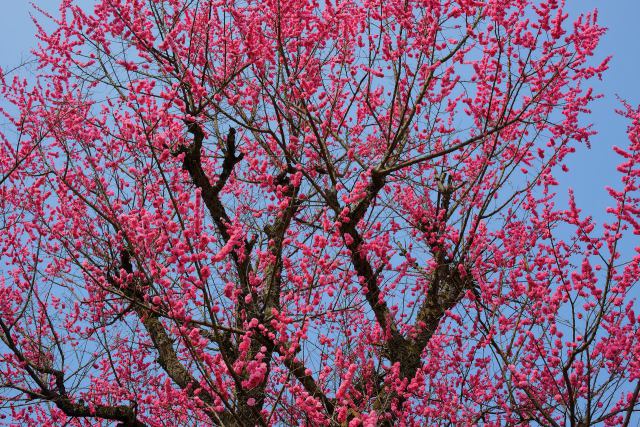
276,233
192,163
299,371
125,414
446,290
397,346
167,356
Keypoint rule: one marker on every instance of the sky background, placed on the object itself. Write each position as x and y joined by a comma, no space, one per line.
590,170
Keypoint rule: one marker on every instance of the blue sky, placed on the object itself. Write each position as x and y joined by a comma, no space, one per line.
590,170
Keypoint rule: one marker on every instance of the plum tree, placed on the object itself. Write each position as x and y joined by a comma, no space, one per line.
292,212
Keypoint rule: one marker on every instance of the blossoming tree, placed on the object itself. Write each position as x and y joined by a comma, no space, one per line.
292,212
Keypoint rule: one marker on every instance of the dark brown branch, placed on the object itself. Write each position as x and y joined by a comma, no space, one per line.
446,291
276,233
210,193
299,371
162,342
192,163
125,414
398,348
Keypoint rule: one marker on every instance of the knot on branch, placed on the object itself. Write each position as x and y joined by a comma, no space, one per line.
230,160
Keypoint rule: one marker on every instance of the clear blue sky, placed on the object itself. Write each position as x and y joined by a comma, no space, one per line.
590,170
